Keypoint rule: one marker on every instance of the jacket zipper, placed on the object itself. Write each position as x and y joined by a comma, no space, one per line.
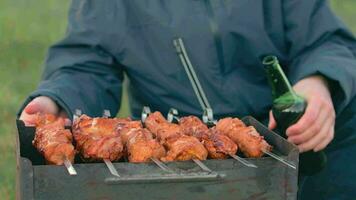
193,78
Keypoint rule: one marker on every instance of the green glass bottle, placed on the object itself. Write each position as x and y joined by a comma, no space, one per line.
287,109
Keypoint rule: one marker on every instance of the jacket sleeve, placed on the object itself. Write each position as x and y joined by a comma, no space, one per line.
319,43
79,72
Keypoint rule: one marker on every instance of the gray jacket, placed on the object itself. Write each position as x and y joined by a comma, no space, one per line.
223,42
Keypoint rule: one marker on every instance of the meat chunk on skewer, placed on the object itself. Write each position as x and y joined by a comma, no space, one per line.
218,145
161,128
229,123
248,139
184,147
97,138
128,129
139,143
179,146
52,140
141,147
193,126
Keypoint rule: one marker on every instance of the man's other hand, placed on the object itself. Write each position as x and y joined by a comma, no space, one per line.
315,130
41,104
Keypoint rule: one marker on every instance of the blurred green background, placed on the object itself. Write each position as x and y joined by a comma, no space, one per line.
27,28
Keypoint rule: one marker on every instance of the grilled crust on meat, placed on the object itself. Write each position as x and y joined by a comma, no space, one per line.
219,145
128,129
144,150
249,141
184,147
141,146
161,128
52,140
179,146
105,138
97,138
193,126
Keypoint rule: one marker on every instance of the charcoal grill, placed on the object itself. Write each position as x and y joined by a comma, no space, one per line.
229,179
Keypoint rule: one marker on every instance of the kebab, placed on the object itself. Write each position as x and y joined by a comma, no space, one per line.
54,142
251,143
97,139
139,143
180,147
105,138
218,144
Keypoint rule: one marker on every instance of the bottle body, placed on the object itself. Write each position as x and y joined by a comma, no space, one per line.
287,109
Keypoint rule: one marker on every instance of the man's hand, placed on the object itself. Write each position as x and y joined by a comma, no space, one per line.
41,104
315,130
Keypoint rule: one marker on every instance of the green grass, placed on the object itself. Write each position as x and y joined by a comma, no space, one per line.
27,28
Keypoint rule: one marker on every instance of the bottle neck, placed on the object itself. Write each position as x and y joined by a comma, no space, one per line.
277,79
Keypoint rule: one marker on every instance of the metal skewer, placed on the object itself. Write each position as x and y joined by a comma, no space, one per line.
202,165
145,112
71,170
111,167
243,161
77,113
162,165
172,115
279,159
208,117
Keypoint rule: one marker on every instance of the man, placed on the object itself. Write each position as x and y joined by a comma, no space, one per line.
197,54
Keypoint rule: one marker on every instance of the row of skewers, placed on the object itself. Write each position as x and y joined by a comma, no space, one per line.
156,139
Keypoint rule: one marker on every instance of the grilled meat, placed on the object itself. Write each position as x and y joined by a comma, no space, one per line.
161,128
248,139
52,140
128,129
179,146
139,143
193,126
141,147
105,138
218,145
97,138
184,147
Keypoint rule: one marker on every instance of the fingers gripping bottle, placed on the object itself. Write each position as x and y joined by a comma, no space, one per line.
287,109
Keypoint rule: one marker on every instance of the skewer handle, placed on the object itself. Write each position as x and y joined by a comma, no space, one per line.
208,117
71,170
145,112
77,113
111,167
289,164
243,161
106,113
172,115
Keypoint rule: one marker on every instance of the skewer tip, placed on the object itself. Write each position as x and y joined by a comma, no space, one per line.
111,167
71,170
202,165
291,165
243,161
